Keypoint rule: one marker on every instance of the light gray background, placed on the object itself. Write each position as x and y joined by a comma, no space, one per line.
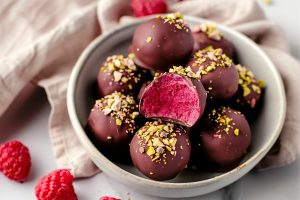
27,120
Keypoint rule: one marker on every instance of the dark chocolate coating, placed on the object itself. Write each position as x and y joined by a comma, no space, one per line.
105,129
174,98
107,84
202,95
223,82
249,96
225,148
202,41
116,153
168,46
159,170
142,90
112,120
220,83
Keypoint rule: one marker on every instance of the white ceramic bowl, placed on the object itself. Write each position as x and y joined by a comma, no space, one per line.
265,130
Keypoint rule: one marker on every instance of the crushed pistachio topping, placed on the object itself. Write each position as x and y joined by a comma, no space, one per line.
157,74
248,82
121,70
156,139
222,122
184,71
176,19
210,29
149,39
236,132
120,107
209,59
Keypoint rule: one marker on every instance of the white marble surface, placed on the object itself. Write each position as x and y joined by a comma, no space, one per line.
27,121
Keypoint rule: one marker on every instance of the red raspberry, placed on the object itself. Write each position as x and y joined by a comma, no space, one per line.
15,161
108,198
148,7
58,185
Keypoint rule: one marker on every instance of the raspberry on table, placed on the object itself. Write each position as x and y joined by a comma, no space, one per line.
15,160
58,185
148,7
108,198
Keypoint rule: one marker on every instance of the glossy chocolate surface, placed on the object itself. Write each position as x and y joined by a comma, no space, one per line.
162,42
160,153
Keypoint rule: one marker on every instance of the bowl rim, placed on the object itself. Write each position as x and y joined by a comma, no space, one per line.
123,174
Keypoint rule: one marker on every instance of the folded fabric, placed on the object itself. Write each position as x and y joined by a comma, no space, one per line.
43,45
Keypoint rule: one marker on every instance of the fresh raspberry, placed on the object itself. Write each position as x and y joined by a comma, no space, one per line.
15,161
108,198
58,185
148,7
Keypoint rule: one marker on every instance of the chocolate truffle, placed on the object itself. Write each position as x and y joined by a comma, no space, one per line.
112,119
119,73
162,42
217,72
174,98
160,150
208,35
226,137
250,88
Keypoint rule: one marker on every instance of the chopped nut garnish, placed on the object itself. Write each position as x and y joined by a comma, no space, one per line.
236,132
121,69
176,19
109,137
142,149
249,84
215,57
223,122
150,151
184,71
117,76
158,139
120,107
118,122
211,31
149,39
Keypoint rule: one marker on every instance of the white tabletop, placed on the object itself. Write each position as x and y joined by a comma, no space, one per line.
27,120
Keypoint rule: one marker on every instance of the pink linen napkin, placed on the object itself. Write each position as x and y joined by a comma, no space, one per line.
41,41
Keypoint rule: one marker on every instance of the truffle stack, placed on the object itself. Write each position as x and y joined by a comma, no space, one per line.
197,91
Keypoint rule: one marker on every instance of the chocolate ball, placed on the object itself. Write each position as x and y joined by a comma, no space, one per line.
250,88
208,35
160,150
225,137
119,73
162,42
174,98
217,72
112,119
